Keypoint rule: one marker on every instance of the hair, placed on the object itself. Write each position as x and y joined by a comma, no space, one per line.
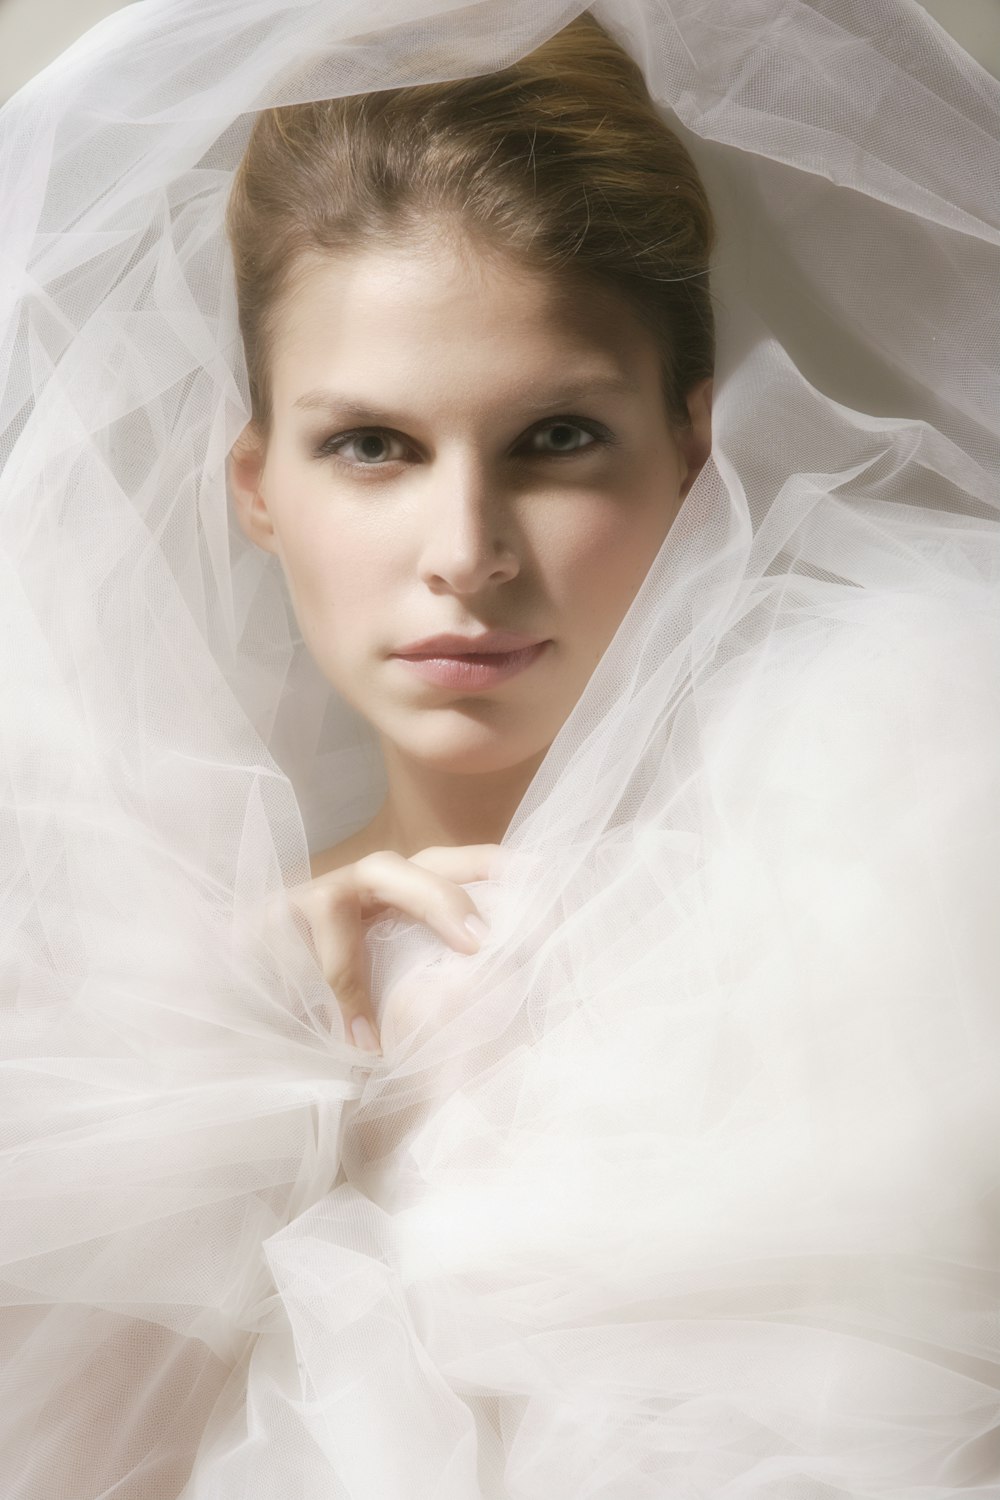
560,161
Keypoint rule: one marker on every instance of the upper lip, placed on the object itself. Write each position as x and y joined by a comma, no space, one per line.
490,643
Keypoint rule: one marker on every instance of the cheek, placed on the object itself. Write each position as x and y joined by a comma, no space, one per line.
596,565
335,570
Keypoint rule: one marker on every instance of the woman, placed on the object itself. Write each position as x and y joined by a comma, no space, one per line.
396,246
682,1182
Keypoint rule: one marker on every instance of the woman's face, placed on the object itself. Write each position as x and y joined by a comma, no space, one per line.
456,447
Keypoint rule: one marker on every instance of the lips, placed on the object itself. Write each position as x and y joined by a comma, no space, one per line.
487,643
468,671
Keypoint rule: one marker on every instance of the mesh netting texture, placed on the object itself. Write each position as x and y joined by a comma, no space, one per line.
685,1185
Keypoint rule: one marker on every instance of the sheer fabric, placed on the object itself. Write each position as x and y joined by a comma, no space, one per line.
686,1184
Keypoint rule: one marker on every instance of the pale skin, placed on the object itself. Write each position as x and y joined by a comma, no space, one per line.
513,467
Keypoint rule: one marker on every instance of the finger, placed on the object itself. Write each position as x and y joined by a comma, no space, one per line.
386,878
343,958
463,863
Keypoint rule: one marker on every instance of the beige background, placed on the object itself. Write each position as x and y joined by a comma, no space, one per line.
33,32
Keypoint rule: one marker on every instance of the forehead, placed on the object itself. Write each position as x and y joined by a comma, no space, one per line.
445,314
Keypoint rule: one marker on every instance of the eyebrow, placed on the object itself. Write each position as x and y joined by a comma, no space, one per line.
354,410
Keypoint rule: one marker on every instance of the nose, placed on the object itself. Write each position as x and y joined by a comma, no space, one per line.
465,530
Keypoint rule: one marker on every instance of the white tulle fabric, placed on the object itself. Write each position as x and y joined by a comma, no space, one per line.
686,1186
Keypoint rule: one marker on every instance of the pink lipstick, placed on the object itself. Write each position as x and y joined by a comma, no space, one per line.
469,671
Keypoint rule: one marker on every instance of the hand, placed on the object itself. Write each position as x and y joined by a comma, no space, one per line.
427,887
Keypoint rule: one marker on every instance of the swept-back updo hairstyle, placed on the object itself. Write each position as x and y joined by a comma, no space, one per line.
560,161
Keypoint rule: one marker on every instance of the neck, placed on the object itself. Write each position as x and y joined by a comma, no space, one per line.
425,807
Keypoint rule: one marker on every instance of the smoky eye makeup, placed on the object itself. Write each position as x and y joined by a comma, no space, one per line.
381,441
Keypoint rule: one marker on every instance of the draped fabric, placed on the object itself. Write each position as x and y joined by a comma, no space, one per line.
686,1184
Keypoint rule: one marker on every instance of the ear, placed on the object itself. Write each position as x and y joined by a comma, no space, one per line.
245,468
695,442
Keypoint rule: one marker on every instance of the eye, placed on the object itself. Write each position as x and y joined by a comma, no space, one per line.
372,444
565,435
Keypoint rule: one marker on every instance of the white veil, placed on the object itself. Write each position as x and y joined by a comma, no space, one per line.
686,1185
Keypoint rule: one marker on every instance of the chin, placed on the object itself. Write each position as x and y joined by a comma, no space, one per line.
468,746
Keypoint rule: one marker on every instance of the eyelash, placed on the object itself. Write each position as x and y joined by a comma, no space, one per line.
601,436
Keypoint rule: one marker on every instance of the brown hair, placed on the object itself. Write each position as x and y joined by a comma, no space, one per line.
560,160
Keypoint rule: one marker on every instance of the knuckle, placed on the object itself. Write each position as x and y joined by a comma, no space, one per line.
340,897
377,861
351,992
454,905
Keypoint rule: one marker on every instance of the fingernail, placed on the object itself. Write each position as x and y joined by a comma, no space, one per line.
477,927
363,1035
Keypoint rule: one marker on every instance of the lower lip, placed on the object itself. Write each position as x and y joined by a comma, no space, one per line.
473,673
